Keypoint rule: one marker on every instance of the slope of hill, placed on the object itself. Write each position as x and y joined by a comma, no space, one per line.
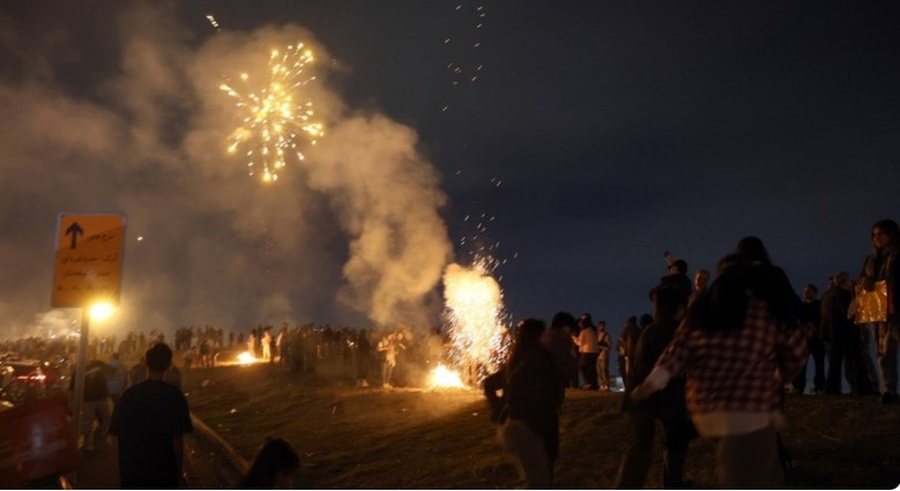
407,438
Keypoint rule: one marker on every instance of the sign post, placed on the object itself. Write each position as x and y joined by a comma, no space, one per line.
88,271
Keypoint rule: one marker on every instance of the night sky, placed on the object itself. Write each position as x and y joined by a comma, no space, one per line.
616,130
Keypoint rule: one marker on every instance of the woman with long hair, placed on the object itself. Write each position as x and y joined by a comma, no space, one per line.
882,266
528,410
738,344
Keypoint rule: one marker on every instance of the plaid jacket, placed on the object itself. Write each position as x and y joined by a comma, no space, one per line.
738,370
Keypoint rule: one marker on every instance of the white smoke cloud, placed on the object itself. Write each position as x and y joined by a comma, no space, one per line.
354,230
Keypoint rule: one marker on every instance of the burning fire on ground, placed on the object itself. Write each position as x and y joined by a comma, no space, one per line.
246,358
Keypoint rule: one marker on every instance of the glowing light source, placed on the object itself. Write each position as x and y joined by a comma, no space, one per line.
246,358
274,112
442,377
101,311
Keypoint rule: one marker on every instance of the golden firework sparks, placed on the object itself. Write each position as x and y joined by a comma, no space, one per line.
475,312
274,112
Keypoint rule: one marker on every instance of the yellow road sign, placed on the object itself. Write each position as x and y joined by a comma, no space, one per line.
88,259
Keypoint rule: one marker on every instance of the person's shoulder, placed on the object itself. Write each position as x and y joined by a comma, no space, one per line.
658,328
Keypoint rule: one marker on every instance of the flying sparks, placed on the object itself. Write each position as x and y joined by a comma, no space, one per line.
274,112
213,22
475,312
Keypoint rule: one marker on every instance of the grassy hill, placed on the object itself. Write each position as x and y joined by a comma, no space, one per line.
406,438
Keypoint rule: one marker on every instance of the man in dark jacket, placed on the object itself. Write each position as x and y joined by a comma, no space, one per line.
667,406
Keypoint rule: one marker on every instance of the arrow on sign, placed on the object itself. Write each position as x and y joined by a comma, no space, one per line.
74,230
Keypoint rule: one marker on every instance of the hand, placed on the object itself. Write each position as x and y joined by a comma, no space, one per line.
641,392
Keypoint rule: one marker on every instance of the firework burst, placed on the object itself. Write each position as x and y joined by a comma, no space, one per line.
274,111
476,315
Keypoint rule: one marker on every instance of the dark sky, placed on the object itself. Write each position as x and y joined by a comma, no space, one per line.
617,130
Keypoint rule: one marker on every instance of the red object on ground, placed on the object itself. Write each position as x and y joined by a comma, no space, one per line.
37,441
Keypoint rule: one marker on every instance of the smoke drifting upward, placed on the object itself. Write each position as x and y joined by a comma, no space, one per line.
387,197
353,229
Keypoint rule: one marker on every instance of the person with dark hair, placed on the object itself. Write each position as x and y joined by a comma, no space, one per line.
529,407
644,321
588,351
701,279
273,467
739,343
149,422
677,277
811,313
767,280
557,340
667,406
881,267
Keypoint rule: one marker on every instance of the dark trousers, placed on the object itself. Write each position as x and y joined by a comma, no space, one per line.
887,338
817,350
846,350
587,365
639,450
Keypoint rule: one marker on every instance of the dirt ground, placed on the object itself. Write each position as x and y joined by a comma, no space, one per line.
408,438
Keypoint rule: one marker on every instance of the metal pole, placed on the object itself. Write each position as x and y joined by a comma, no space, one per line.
78,395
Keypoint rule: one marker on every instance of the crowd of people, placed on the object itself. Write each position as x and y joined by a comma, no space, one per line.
714,360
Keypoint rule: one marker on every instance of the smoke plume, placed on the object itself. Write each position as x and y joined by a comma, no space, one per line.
353,234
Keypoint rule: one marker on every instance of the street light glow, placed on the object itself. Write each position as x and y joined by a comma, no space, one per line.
101,311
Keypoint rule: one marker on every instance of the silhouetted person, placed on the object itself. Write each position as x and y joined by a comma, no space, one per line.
603,356
529,406
666,406
149,422
736,338
557,340
626,348
273,467
701,280
677,277
811,313
843,339
588,351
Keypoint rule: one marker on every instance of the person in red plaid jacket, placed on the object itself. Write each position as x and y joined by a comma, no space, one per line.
740,342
